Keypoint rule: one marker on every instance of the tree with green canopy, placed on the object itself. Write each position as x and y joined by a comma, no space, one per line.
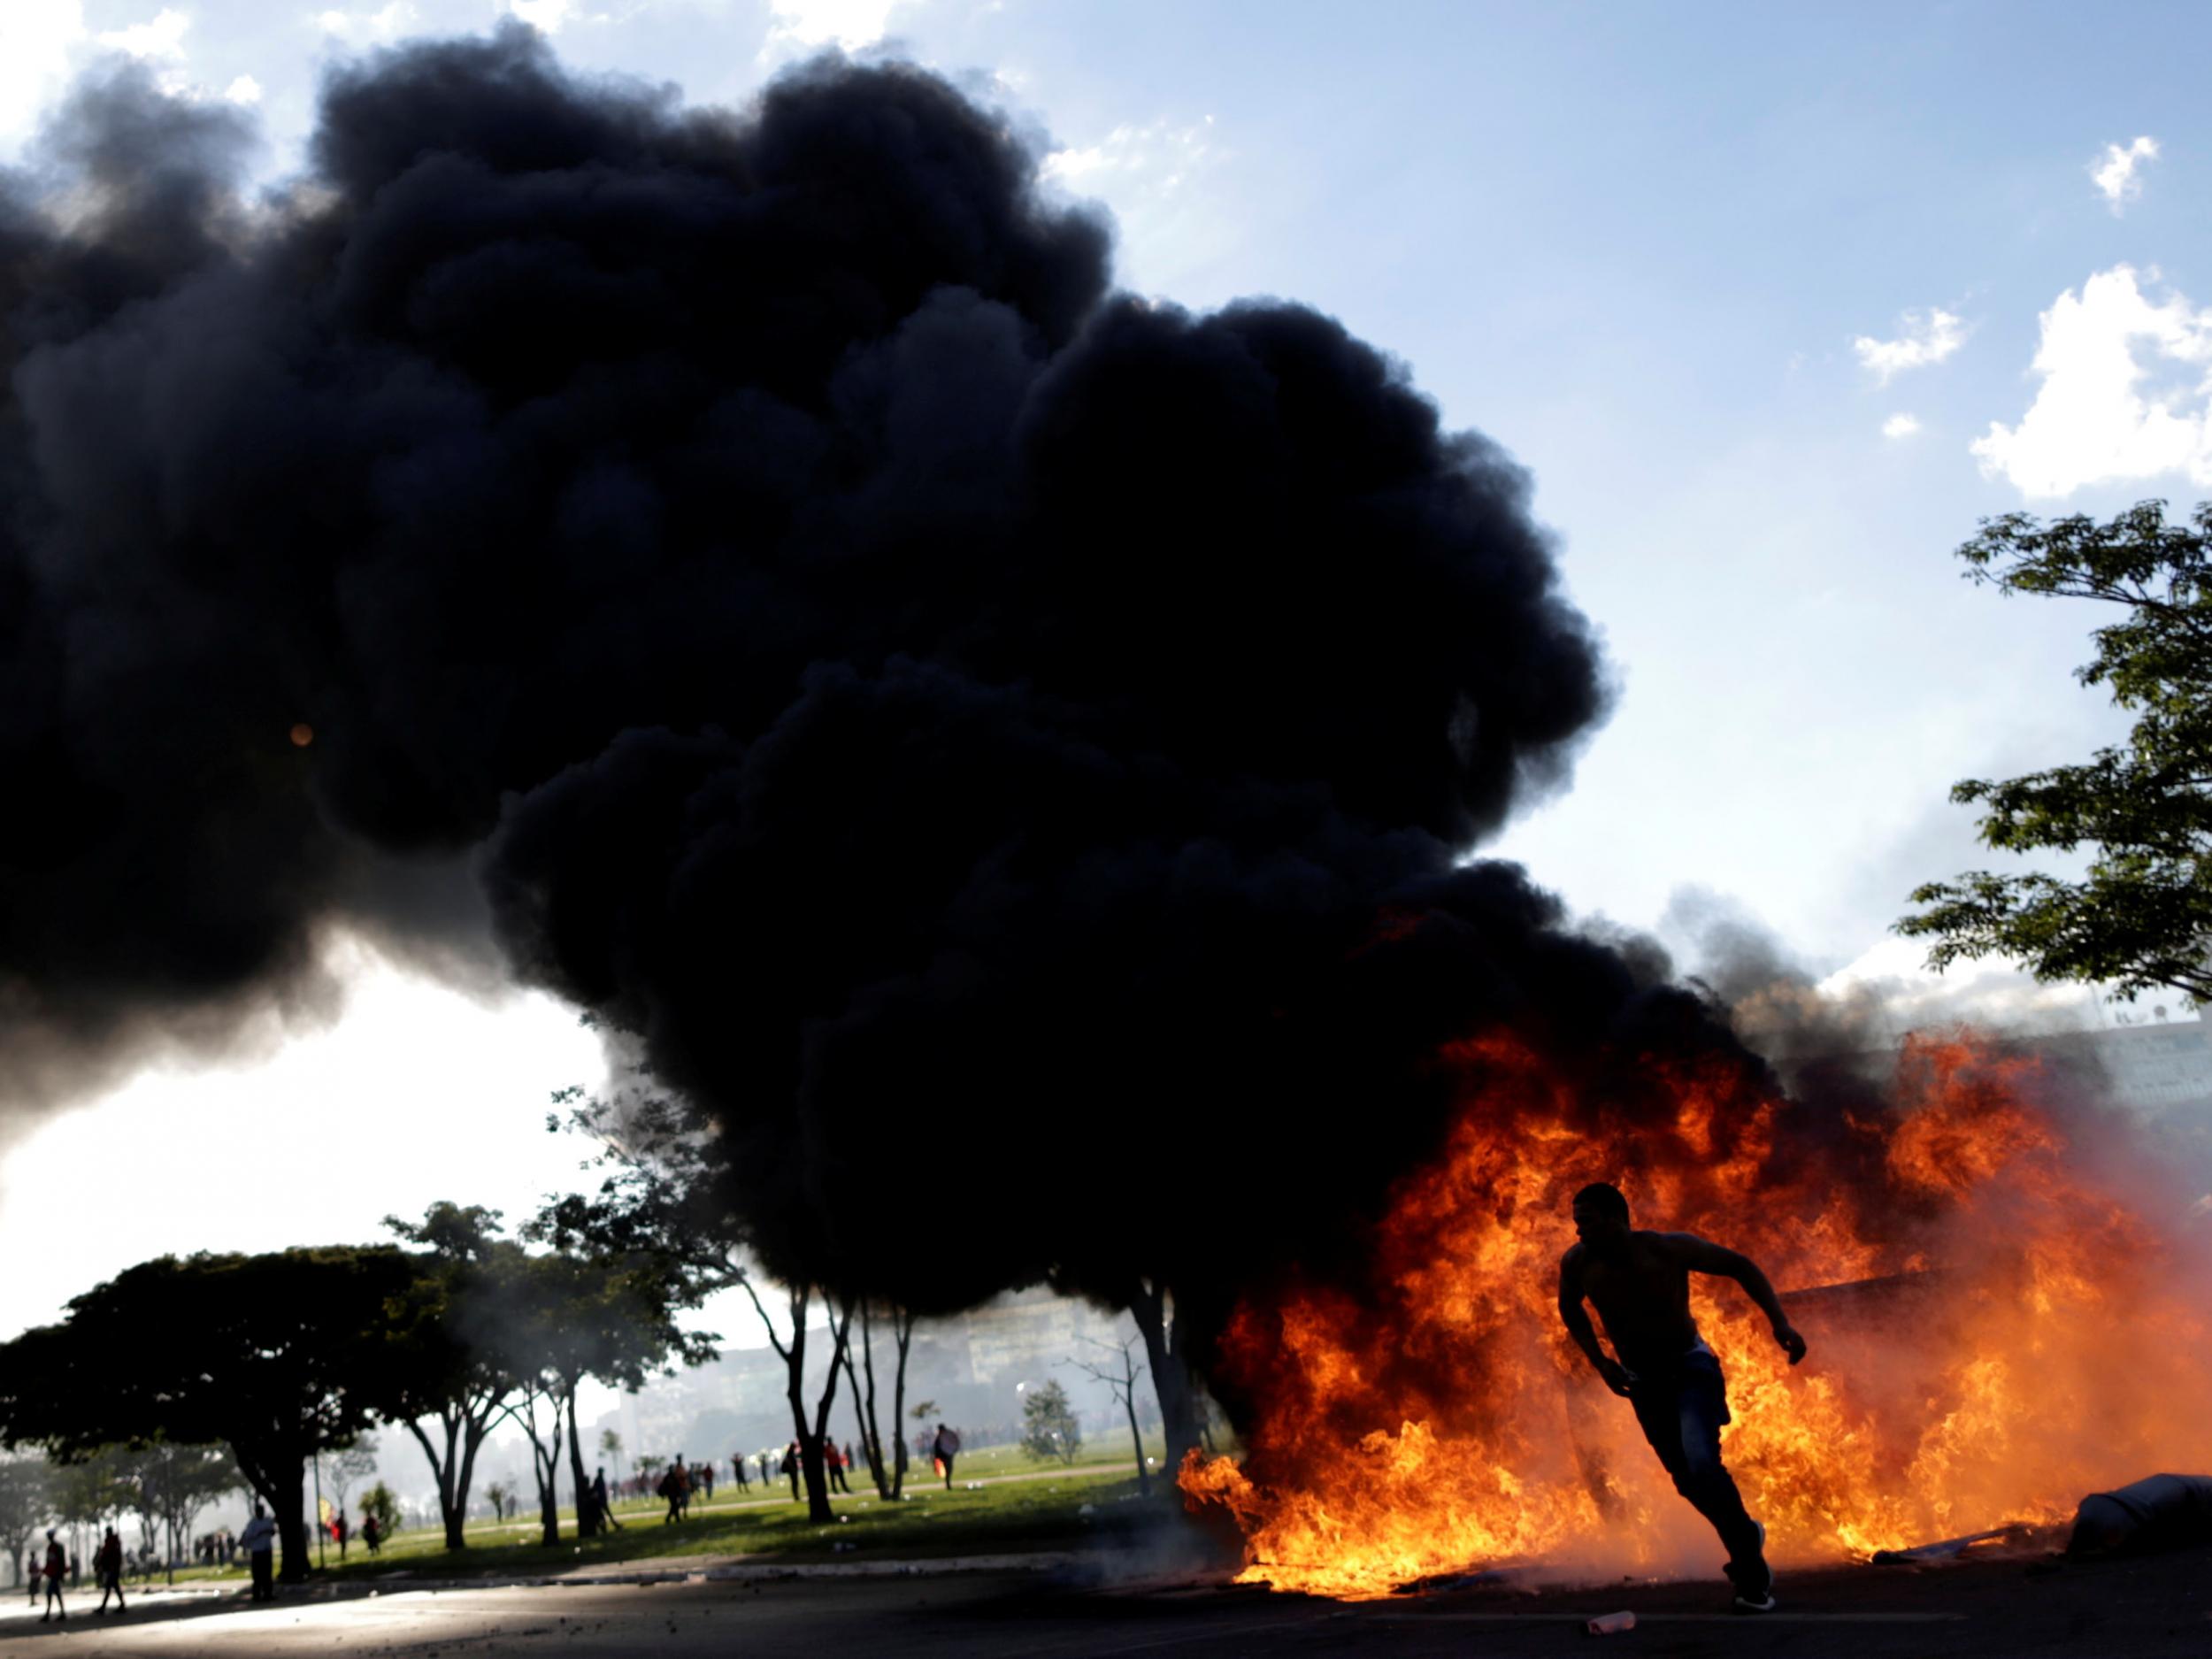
382,1503
1049,1428
563,1317
666,1202
277,1355
2139,916
452,1384
175,1482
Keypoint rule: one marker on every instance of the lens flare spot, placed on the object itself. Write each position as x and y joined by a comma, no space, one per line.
303,734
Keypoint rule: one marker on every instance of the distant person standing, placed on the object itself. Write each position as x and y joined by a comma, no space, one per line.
341,1530
737,1466
56,1569
107,1567
34,1571
762,1460
944,1449
834,1464
372,1532
791,1467
258,1540
599,1504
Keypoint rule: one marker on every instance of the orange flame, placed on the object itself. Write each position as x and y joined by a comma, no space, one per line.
2033,1346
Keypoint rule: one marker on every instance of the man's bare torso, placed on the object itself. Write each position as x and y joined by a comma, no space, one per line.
1642,1297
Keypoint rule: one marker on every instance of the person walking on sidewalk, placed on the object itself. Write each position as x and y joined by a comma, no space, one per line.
107,1567
56,1568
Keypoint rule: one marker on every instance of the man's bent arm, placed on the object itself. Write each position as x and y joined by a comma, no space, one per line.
1704,1257
1571,1314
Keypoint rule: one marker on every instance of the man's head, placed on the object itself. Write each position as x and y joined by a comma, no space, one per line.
258,1511
1600,1213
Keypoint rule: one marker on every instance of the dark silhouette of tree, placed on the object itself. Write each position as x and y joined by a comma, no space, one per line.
278,1356
568,1315
664,1198
1117,1367
2140,915
889,1470
452,1381
349,1464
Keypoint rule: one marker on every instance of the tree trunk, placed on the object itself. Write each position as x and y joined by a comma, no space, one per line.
902,1327
1149,1305
545,1464
811,1437
453,1471
550,1501
865,1406
288,1505
586,1518
1136,1435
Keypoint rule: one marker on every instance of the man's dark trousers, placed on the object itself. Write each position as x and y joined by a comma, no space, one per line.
1680,1408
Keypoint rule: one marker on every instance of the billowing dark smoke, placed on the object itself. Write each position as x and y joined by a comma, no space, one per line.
999,745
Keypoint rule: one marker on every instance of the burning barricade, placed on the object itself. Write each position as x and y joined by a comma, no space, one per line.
1995,1331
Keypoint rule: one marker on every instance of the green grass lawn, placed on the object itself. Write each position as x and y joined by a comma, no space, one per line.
1044,1512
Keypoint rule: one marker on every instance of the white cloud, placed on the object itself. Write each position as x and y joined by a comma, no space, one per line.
1155,158
36,42
2114,173
1900,425
1926,339
1162,182
546,15
160,39
1894,979
2095,417
370,28
245,89
802,25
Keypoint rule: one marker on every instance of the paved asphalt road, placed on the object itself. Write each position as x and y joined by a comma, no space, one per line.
2160,1606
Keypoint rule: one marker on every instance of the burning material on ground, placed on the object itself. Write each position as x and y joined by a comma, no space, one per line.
1995,1332
1990,1541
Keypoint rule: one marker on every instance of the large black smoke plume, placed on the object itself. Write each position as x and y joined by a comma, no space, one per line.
959,720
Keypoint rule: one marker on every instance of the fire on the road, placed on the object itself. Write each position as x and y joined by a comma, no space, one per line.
2040,1342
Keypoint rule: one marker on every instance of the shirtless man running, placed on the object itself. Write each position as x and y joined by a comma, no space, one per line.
1640,1283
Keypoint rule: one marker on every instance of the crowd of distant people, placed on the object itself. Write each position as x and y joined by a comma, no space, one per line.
679,1481
52,1566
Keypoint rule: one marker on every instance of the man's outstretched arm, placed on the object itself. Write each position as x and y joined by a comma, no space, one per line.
1703,1255
1617,1376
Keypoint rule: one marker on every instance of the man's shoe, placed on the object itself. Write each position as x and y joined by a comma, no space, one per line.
1754,1580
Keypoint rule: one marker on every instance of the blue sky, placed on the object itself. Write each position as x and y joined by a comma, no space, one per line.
1744,286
